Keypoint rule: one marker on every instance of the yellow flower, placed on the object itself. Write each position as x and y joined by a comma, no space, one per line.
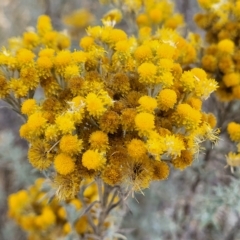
196,103
25,57
3,86
70,144
61,61
86,42
156,145
44,62
156,15
64,164
128,119
112,17
234,131
38,155
44,24
166,99
142,20
187,81
226,46
183,161
231,79
136,148
71,71
167,51
99,141
109,122
79,18
147,104
147,72
233,160
144,122
94,105
30,39
36,122
160,170
209,63
29,106
112,175
117,35
187,116
199,74
93,160
143,53
174,145
65,123
120,83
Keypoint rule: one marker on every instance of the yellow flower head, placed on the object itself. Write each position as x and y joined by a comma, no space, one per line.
65,123
183,161
142,20
38,155
94,105
112,175
117,35
44,24
160,170
36,121
44,63
156,15
93,160
143,53
226,46
30,39
112,17
234,131
71,71
209,62
109,122
128,119
147,72
231,79
86,42
64,164
199,74
156,145
29,106
187,116
70,144
25,57
120,83
144,122
62,59
166,99
187,81
174,145
167,51
136,148
147,104
195,103
99,141
233,160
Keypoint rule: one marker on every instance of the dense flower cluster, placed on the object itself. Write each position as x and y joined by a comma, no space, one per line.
221,58
221,21
121,108
42,219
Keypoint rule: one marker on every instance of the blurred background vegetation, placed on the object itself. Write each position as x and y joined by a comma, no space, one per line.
198,203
